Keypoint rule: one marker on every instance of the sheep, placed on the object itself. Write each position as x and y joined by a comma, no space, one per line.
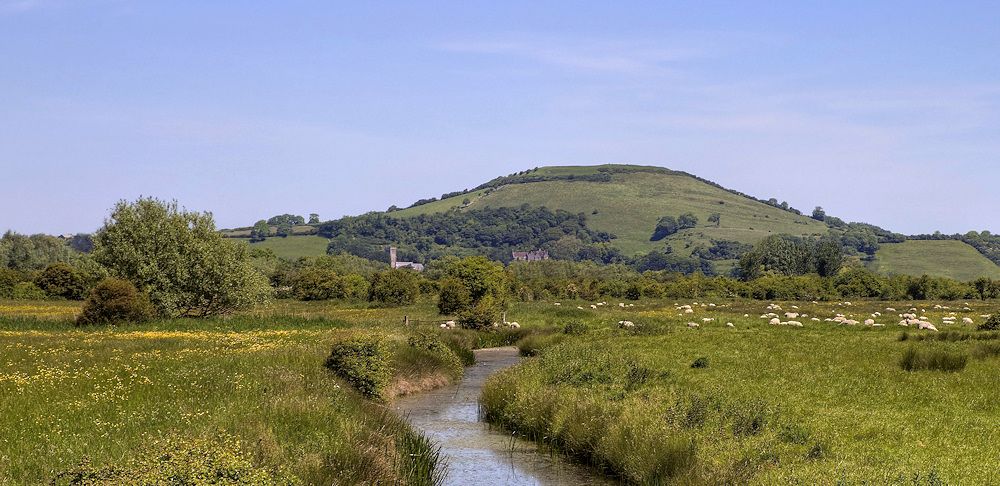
592,306
688,311
444,326
968,320
928,326
707,319
850,322
730,324
791,315
775,321
626,324
621,304
890,309
794,323
449,324
579,307
869,322
815,319
904,323
513,325
746,315
557,303
693,325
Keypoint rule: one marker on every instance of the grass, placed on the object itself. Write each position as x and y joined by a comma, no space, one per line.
945,258
777,405
917,359
630,205
102,394
295,247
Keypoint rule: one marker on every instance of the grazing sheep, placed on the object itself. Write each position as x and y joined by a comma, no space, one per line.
904,323
815,319
730,324
794,323
890,309
791,315
592,306
746,315
968,320
928,326
850,322
707,319
513,325
688,311
693,325
449,324
869,322
557,303
444,326
579,307
775,321
626,324
621,304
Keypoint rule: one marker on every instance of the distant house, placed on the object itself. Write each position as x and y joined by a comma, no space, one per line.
530,256
419,267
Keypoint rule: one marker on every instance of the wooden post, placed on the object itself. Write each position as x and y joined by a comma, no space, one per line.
505,317
406,321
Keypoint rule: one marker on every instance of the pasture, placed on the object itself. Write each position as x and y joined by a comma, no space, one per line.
767,404
939,258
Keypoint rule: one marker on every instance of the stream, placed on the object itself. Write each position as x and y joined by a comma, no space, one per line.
473,452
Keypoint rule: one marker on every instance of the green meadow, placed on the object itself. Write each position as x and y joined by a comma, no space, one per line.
939,258
654,403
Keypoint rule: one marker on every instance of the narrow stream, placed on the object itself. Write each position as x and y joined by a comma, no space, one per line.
474,453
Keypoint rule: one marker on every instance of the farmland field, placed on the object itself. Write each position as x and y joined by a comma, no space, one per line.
295,247
944,258
772,404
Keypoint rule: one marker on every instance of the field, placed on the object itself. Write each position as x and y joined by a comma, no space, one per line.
767,404
253,386
295,247
944,258
630,205
759,403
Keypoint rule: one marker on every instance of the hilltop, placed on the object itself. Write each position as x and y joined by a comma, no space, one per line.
610,212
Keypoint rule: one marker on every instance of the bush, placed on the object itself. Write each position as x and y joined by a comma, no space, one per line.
454,297
27,291
115,301
61,280
575,328
437,356
482,315
701,362
8,279
394,287
915,359
992,323
366,363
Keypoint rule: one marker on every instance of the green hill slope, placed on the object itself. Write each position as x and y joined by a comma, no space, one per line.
631,200
942,258
295,247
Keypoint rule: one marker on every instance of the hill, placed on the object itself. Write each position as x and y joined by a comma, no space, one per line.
627,201
294,247
940,258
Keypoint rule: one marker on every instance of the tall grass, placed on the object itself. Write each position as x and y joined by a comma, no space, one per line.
918,359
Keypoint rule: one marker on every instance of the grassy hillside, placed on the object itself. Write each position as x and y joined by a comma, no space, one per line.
295,247
630,203
944,258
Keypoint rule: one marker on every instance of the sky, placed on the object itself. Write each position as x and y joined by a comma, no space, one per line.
883,112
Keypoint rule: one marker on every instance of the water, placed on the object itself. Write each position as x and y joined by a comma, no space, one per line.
474,453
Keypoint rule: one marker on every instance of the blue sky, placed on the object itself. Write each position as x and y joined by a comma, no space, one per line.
885,112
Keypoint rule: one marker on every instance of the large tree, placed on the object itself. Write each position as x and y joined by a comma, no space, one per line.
179,259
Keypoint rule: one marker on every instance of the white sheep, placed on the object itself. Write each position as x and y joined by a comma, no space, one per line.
730,324
928,326
626,324
513,325
775,321
794,323
968,320
869,322
791,315
693,325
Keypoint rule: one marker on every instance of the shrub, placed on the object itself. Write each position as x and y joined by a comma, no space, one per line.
454,297
482,315
701,362
115,301
440,353
27,291
916,359
986,350
992,323
394,287
8,279
61,280
179,259
366,363
575,328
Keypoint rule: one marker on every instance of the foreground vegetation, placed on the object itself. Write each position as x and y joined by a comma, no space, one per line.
661,400
233,400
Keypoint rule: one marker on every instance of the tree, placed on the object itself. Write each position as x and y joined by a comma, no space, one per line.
35,252
666,226
986,287
179,259
453,298
286,219
394,287
61,280
82,243
829,257
819,214
313,218
260,231
687,220
485,283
